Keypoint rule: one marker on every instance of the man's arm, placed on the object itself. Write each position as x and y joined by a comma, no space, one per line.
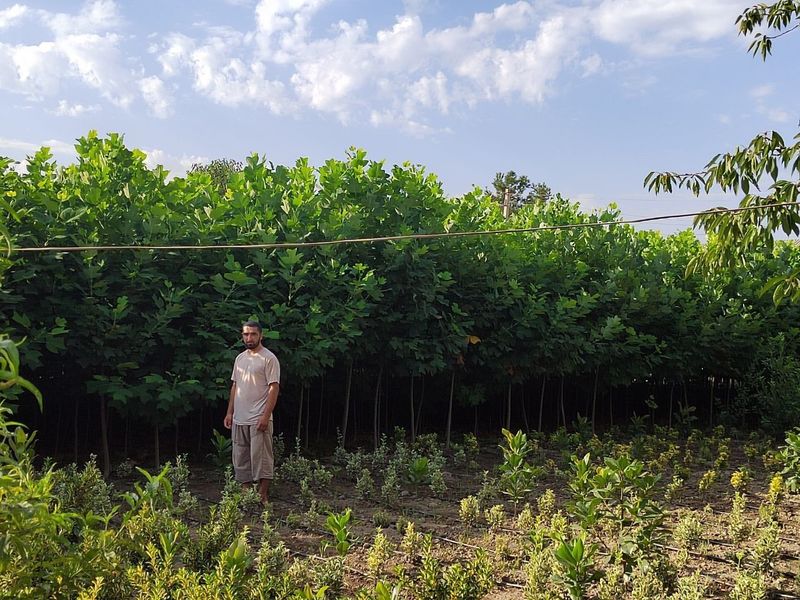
272,400
229,415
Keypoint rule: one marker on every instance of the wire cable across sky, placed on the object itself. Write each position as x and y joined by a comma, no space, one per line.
394,238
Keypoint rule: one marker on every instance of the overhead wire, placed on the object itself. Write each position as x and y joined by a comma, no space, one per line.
394,238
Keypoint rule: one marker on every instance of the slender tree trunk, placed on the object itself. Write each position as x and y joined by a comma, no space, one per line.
541,401
375,436
411,397
450,409
200,429
75,432
671,397
177,436
419,408
157,447
127,434
321,404
104,438
594,396
300,410
561,402
711,404
522,404
475,423
611,406
58,426
308,414
508,405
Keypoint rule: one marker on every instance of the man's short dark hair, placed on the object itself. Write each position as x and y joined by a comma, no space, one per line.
255,324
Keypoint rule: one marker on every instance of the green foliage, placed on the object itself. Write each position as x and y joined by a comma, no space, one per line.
790,461
618,497
575,558
517,475
338,525
221,444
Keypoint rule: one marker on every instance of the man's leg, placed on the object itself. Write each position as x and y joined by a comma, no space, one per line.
263,490
242,463
262,459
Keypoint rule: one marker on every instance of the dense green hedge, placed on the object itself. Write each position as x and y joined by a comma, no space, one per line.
152,333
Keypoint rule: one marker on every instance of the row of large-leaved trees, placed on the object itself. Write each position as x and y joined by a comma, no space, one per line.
151,334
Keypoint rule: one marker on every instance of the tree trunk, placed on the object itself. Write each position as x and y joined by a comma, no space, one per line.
541,401
177,436
75,432
711,404
58,426
594,396
321,405
200,429
157,447
561,402
300,410
421,402
508,405
104,438
308,414
522,404
450,409
411,396
671,396
375,436
611,406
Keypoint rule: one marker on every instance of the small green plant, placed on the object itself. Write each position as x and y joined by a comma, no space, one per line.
495,516
767,548
517,475
365,484
672,488
412,540
525,519
689,531
419,471
338,525
576,570
379,553
691,587
789,457
738,525
380,518
749,586
469,511
390,490
707,480
647,585
221,450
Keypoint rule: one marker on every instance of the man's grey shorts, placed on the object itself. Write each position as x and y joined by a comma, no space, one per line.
252,453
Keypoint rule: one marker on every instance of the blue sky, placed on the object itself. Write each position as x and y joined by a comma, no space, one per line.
587,96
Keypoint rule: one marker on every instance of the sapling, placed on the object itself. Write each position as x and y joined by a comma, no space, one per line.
738,525
338,525
379,553
495,516
469,511
749,586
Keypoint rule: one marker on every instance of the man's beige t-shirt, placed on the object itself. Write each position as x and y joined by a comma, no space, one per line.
253,372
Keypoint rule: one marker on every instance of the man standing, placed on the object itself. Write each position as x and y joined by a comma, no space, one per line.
254,393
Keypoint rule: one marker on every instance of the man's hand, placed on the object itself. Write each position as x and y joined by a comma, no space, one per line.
263,423
228,422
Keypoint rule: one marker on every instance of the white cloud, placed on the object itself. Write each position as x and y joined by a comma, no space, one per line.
661,27
11,15
176,165
762,91
156,96
95,17
592,64
16,148
65,109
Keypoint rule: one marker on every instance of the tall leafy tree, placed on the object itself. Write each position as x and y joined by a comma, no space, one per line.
766,172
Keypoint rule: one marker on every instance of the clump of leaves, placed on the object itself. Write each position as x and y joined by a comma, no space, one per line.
469,511
517,475
84,490
749,586
379,553
577,571
339,525
790,461
738,525
689,531
495,516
